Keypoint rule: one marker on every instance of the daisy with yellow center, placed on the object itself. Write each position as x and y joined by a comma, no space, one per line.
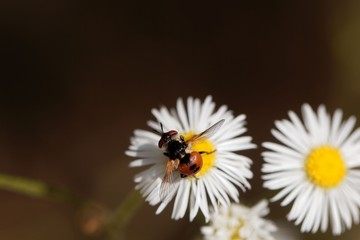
223,171
239,222
315,167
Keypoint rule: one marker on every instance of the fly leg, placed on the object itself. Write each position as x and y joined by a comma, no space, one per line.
204,152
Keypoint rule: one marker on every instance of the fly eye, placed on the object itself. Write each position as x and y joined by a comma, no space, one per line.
161,142
166,137
172,132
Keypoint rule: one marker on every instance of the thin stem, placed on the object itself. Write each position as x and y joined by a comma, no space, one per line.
36,189
123,214
114,225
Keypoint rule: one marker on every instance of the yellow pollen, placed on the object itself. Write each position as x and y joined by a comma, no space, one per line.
325,166
203,146
236,235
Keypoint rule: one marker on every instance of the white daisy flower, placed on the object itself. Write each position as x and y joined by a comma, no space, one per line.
222,170
239,222
315,168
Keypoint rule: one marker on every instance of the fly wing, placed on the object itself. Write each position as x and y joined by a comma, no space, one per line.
207,133
168,178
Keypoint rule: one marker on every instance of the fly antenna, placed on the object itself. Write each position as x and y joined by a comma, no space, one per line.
157,131
162,128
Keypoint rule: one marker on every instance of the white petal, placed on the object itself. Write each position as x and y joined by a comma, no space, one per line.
345,130
181,200
182,114
281,149
335,125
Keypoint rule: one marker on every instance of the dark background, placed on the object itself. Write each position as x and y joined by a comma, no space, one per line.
78,77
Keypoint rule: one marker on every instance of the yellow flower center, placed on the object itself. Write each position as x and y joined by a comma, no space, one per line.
236,235
325,166
203,146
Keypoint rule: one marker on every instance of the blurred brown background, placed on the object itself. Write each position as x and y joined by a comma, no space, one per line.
77,77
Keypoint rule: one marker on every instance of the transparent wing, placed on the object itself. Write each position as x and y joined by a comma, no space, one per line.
207,133
168,178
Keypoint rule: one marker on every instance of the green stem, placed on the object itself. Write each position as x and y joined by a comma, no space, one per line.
123,214
117,221
36,189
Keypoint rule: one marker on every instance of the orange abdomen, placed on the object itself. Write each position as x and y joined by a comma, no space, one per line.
190,164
